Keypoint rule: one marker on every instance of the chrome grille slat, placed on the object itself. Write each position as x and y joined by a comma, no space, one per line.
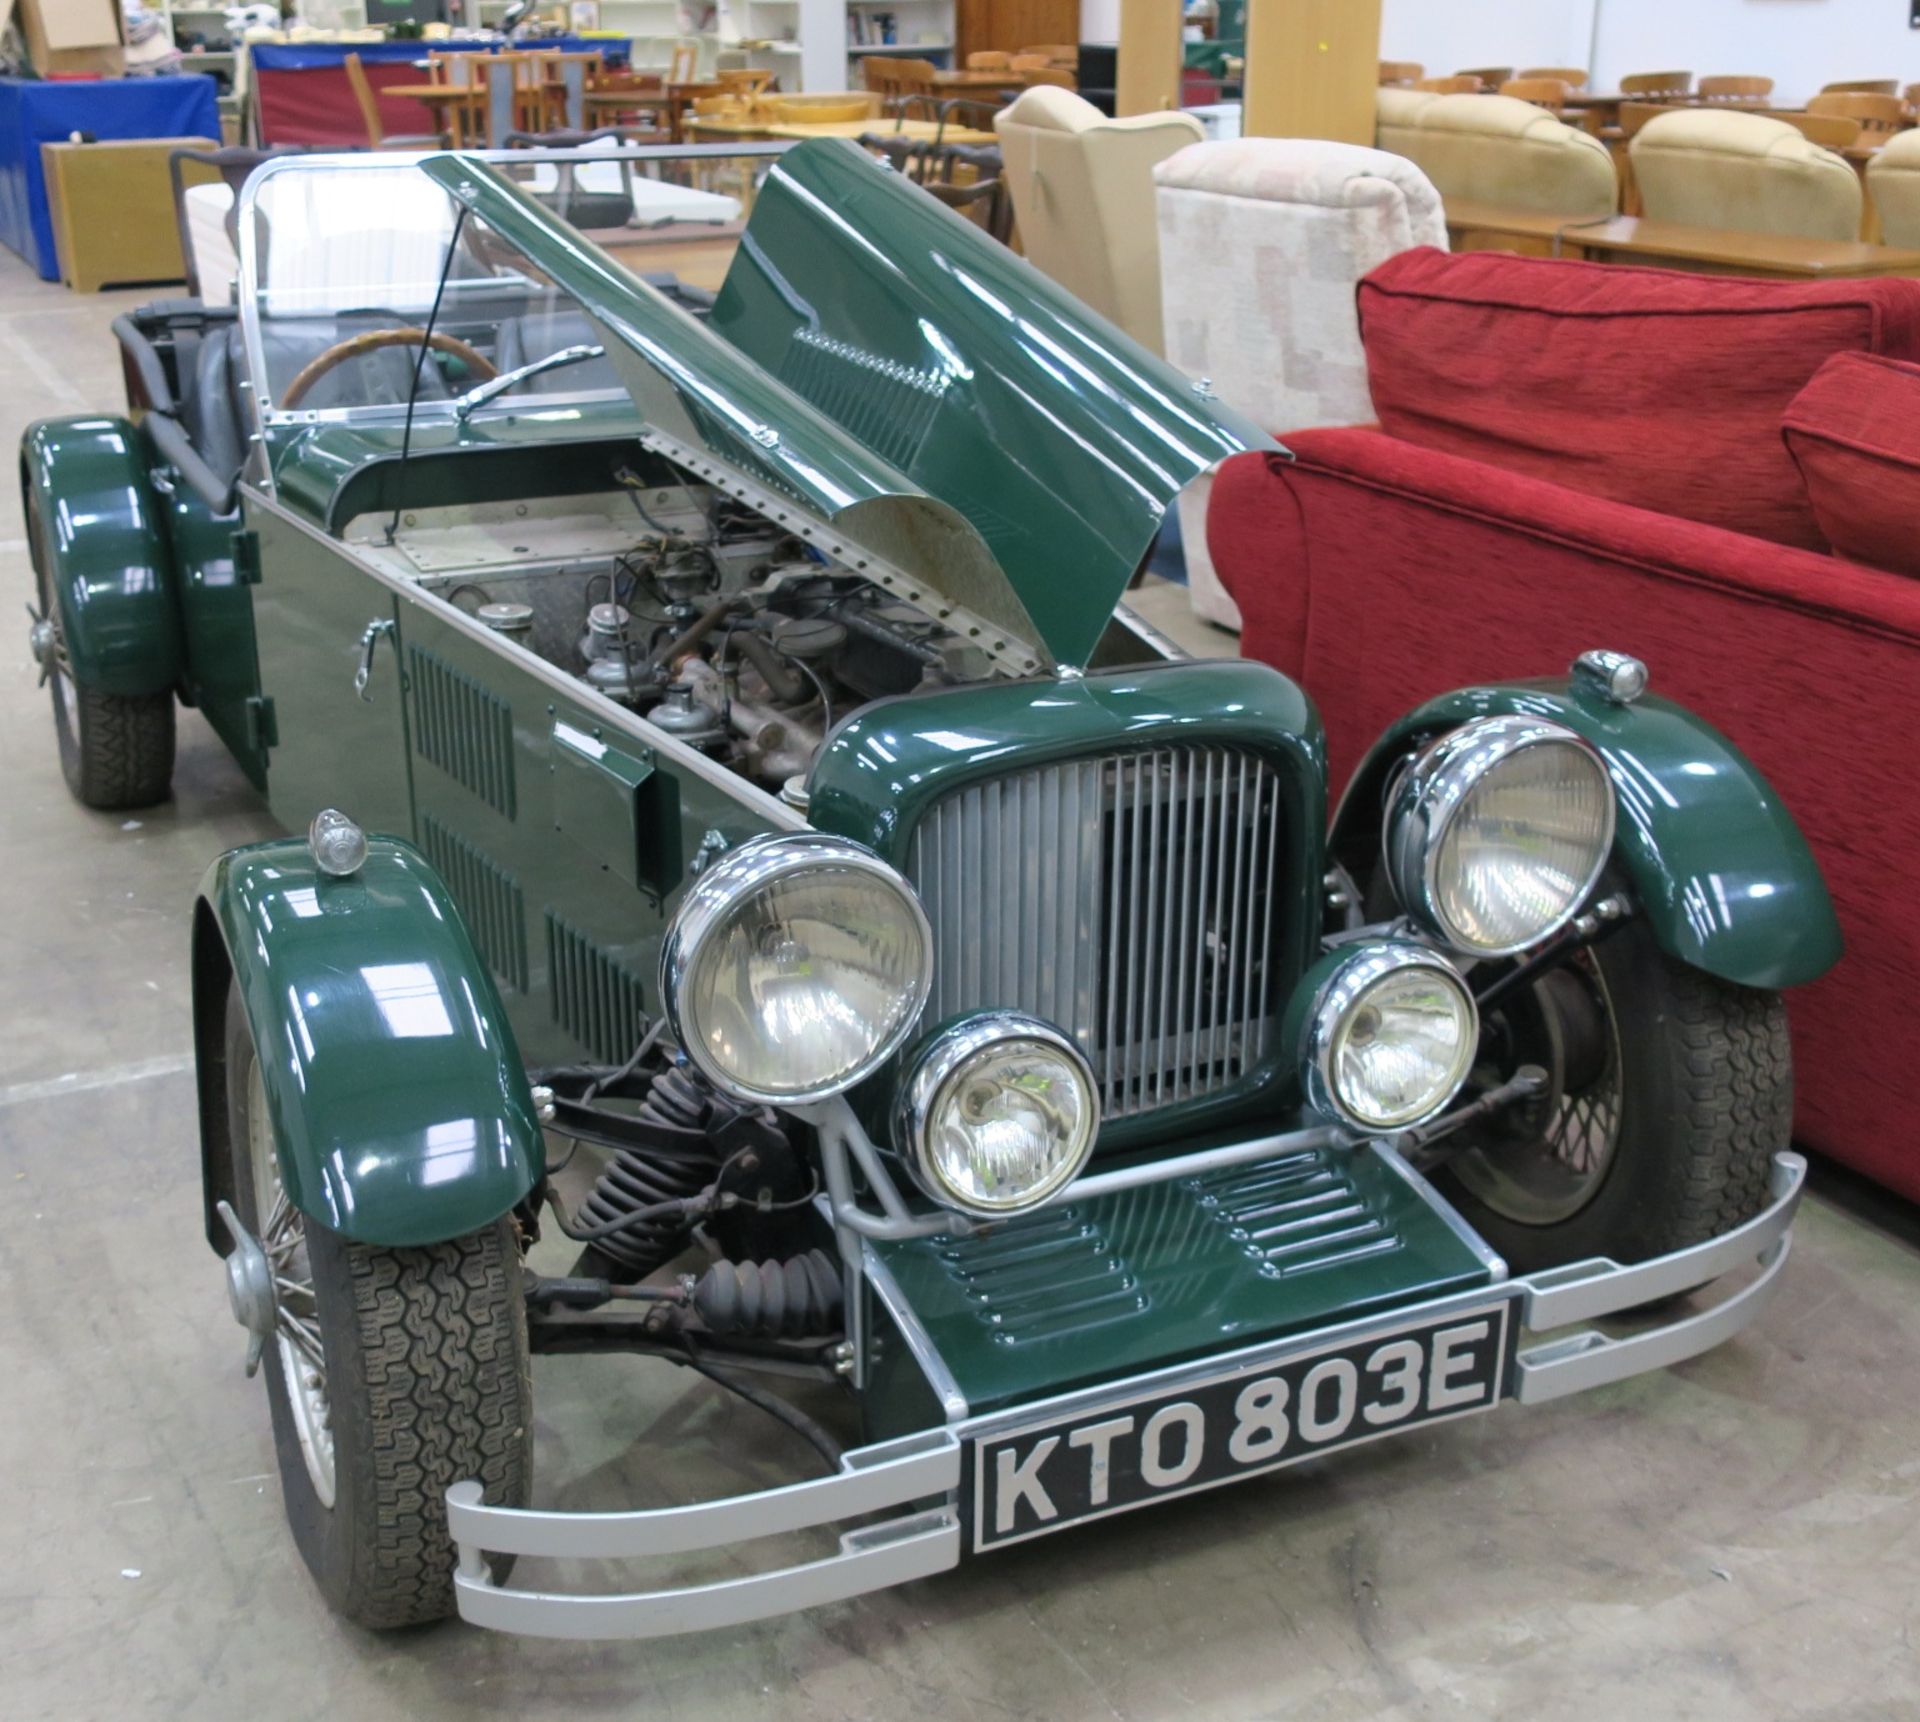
1129,900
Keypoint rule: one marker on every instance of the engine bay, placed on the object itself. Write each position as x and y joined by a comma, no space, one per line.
684,604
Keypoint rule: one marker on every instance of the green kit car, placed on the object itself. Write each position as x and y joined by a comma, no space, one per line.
719,750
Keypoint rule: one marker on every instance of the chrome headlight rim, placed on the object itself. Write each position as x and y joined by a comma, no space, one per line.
940,1059
728,882
1429,794
1355,970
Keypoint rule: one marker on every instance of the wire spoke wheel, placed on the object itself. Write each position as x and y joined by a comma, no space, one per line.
1541,1163
297,1334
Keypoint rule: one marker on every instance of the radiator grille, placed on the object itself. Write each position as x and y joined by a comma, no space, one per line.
593,997
489,897
1128,900
463,728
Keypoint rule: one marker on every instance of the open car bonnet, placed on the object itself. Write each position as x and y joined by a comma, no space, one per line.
934,402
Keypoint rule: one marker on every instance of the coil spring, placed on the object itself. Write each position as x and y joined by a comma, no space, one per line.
632,1181
776,1300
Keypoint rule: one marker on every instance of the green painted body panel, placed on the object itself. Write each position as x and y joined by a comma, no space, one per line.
1093,1291
900,375
311,610
109,565
333,471
885,766
400,1106
1723,874
216,615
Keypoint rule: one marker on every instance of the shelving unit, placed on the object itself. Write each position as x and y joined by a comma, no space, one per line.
922,29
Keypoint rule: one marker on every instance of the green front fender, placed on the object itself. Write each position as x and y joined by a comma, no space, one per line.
86,482
401,1109
1722,872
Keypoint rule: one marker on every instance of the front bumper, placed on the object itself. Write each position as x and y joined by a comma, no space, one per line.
922,1475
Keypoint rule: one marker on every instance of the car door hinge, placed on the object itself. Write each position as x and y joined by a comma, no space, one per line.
246,558
263,728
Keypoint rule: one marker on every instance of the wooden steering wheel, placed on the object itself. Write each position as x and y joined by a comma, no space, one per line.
371,341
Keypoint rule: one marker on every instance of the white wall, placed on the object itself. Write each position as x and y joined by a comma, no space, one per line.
1444,35
1099,21
1800,44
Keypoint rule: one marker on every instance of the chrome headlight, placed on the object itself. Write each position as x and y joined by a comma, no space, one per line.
1390,1036
998,1113
1497,832
796,966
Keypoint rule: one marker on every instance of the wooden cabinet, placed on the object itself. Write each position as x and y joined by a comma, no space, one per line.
1010,25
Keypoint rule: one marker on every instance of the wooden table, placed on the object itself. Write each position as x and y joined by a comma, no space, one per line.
1671,244
459,110
713,130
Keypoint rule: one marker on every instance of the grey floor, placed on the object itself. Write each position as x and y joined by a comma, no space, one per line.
1738,1538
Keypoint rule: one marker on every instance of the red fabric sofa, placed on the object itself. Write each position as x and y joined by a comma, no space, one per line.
1564,455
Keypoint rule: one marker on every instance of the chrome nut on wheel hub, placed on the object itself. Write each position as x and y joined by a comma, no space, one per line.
40,639
249,1287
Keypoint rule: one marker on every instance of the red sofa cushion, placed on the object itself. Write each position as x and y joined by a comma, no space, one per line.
1379,574
1646,386
1855,432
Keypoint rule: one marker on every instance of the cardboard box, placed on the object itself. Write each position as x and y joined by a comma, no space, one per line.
69,35
112,209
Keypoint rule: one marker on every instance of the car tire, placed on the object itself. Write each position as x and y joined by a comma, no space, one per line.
116,750
1701,1100
426,1383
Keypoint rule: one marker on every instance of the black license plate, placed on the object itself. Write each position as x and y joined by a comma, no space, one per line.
1318,1399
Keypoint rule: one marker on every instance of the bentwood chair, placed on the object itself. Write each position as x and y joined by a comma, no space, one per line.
1403,74
1489,78
1548,93
1829,131
1862,87
1574,77
1880,116
1740,91
1657,86
1461,84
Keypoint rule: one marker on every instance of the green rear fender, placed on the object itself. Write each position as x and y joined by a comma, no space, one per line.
101,533
400,1106
1723,874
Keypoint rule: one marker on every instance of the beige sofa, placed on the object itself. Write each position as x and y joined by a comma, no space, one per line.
1262,242
1713,168
1499,150
1893,181
1082,188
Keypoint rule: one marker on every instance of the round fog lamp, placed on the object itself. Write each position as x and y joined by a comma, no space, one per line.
796,966
1391,1037
998,1113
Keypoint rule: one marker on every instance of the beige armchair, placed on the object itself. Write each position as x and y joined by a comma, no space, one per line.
1893,179
1262,242
1082,188
1714,168
1499,150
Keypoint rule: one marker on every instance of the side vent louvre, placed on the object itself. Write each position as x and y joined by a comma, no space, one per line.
594,998
462,728
489,899
890,407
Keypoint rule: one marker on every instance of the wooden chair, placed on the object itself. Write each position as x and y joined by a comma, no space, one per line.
1058,76
1657,86
1489,78
685,64
1880,116
1401,74
1829,131
564,76
1911,96
363,93
1862,87
745,81
1574,77
907,87
1739,91
1634,115
1548,93
1056,53
989,60
1463,84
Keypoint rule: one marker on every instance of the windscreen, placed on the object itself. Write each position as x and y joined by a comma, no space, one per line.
347,259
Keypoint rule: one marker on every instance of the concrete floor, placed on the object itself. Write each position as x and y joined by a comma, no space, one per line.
1736,1539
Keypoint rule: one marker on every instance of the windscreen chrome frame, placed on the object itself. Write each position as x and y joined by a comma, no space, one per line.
260,410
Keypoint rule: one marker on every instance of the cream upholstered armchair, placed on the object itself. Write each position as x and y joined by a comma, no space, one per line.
1714,168
1262,244
1893,179
1499,150
1082,188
